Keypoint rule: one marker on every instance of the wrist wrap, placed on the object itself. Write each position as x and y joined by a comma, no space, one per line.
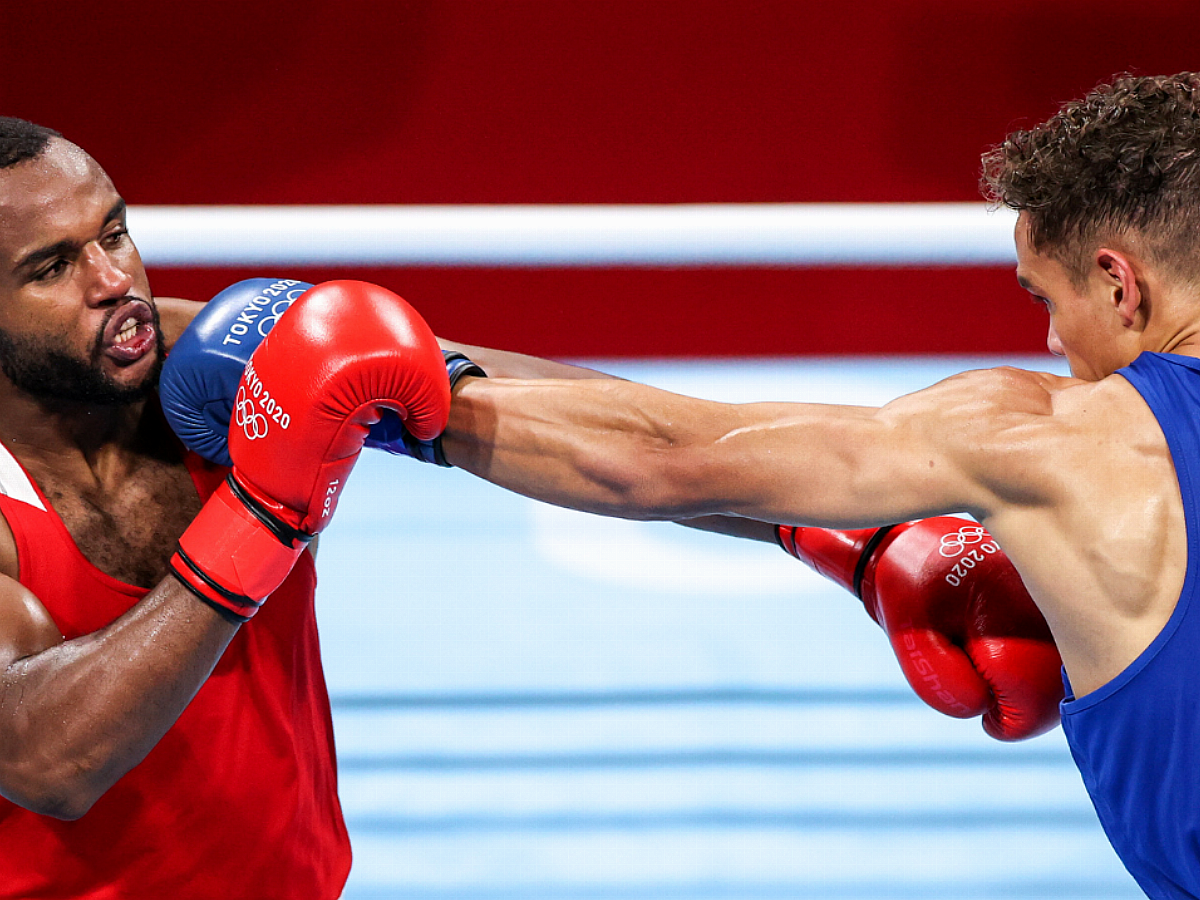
236,552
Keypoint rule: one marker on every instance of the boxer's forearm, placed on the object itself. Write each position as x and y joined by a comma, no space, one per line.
568,442
505,364
79,714
623,449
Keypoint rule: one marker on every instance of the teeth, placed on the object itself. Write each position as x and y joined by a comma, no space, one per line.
128,330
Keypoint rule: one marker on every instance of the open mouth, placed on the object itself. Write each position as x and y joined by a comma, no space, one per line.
129,333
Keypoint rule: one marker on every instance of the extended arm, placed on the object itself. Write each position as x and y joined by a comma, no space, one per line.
576,437
505,364
628,450
1019,690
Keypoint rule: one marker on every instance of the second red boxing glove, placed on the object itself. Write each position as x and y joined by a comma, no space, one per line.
966,633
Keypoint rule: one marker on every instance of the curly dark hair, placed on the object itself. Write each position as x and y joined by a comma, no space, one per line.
1122,163
21,140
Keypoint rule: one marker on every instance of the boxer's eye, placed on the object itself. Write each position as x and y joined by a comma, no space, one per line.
48,272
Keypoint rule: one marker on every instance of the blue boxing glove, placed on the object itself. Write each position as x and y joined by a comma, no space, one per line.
201,374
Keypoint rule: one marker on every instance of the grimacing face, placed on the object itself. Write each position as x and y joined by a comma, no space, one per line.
43,369
77,320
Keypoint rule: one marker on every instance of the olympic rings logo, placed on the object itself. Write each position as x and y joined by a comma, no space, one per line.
253,423
262,312
955,543
278,308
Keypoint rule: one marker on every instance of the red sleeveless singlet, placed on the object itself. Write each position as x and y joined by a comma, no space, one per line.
238,799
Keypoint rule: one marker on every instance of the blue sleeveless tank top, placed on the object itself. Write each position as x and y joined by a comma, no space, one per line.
1136,740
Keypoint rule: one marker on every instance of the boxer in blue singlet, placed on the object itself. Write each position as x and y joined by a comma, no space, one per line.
1086,482
1136,740
1079,479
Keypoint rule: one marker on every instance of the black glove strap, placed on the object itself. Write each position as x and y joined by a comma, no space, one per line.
226,612
287,535
458,367
872,544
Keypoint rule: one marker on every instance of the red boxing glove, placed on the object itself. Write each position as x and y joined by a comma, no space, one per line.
966,632
342,354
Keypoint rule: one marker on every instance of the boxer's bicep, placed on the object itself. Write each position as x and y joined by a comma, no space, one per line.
26,628
972,443
968,444
830,466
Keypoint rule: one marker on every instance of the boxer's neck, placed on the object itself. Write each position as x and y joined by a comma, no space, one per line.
116,478
54,435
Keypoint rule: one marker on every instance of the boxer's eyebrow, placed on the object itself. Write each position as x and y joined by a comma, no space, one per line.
66,246
35,258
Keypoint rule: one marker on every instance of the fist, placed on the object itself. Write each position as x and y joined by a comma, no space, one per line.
966,633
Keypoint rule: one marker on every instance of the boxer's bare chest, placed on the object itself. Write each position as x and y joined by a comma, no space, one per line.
128,529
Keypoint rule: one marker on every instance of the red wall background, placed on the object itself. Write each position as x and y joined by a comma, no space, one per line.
591,101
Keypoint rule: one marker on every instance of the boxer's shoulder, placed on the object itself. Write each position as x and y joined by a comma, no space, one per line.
25,625
1023,405
980,412
122,507
1009,433
1109,414
9,560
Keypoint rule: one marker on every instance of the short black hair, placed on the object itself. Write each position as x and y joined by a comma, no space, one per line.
21,140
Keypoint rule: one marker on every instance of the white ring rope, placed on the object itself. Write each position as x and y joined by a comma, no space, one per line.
754,234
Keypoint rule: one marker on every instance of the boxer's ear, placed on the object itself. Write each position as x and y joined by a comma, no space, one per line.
1118,273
